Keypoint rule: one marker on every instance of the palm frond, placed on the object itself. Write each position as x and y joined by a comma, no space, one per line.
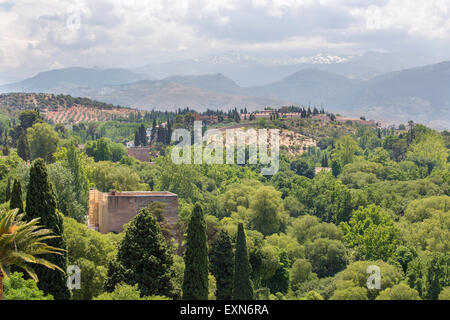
22,242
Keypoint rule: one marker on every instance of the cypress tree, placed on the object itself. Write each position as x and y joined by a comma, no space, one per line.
23,147
243,289
221,265
8,190
153,134
325,161
137,140
160,136
41,203
142,135
5,149
16,197
143,258
169,132
80,181
195,282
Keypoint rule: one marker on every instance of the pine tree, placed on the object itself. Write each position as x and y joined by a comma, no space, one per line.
243,288
8,190
41,203
16,197
195,282
143,258
23,147
221,264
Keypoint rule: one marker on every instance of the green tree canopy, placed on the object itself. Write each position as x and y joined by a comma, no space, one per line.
346,149
372,233
143,258
266,210
242,288
327,256
195,284
17,288
354,278
41,203
221,259
301,272
429,151
400,291
43,141
23,147
127,292
16,201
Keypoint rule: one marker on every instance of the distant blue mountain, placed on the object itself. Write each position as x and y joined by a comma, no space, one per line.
421,94
70,79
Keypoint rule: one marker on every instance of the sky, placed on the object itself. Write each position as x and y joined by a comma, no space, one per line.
38,35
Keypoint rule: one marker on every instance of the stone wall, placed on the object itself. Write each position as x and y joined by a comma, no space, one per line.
108,212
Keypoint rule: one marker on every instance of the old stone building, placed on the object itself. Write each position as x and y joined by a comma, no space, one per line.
109,211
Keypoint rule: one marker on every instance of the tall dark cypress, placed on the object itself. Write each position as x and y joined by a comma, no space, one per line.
8,190
160,134
221,260
153,134
243,288
325,161
137,139
143,135
23,147
16,197
195,282
5,148
41,203
169,132
80,181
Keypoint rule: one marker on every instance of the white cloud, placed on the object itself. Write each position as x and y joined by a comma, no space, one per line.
34,35
428,19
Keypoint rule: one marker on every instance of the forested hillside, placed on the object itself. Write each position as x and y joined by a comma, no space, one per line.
61,108
47,100
359,196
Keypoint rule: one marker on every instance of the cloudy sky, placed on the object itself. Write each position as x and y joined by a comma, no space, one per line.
37,35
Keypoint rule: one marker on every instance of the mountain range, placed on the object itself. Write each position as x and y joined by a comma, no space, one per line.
255,70
421,94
